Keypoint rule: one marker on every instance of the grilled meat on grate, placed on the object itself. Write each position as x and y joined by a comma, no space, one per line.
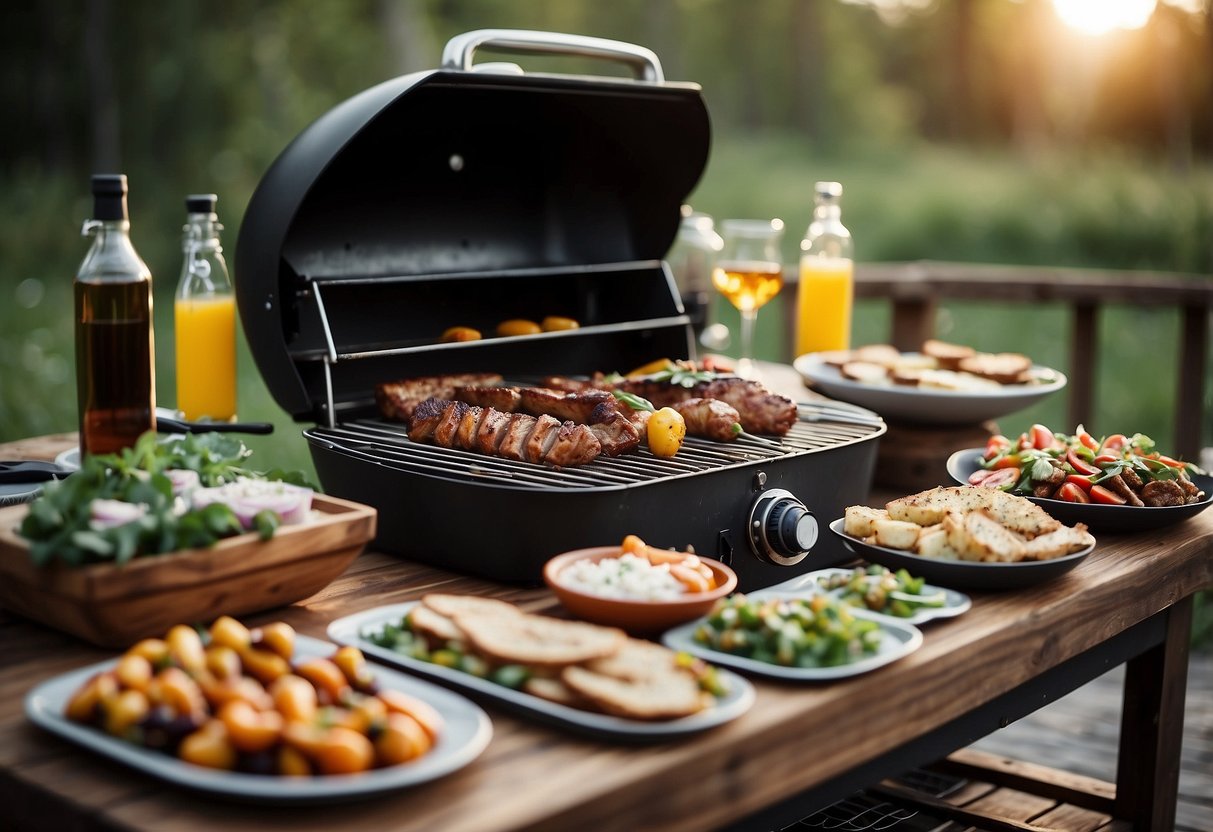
398,399
758,409
710,418
455,424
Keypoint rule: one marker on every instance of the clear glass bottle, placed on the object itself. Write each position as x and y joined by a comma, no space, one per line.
115,343
204,313
691,259
825,296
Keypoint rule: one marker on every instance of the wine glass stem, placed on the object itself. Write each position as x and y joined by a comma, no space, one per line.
745,364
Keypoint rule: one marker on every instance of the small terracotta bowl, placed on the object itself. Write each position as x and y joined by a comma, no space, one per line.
634,616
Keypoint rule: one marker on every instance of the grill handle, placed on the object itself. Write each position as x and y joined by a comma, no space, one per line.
461,49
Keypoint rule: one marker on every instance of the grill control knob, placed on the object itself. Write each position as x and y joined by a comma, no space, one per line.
781,529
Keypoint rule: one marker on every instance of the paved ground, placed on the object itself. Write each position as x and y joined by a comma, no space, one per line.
1079,734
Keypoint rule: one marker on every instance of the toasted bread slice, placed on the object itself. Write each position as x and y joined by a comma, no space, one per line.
1020,514
452,605
663,696
636,660
836,358
553,690
978,536
933,543
537,640
858,520
865,372
896,534
434,627
1056,544
906,376
883,354
1003,367
947,355
926,508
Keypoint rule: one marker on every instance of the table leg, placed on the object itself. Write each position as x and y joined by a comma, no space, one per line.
1151,727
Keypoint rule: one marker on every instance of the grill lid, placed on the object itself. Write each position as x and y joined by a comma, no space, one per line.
351,241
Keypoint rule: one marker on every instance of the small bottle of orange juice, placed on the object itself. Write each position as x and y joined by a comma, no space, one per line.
205,317
826,277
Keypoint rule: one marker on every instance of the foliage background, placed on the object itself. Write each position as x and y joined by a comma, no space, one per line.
968,130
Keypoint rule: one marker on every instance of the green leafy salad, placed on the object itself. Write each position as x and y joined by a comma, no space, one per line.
159,497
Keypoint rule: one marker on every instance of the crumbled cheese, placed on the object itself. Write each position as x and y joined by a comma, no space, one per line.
628,577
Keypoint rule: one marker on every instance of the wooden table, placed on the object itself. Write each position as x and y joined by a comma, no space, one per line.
801,747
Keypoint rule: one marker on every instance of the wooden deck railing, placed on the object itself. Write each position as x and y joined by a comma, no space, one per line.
916,289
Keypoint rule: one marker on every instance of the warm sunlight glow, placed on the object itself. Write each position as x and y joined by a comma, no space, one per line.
1097,17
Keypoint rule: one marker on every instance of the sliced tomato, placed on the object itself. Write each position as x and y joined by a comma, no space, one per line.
1166,460
1008,461
1024,442
1114,444
1071,493
1099,494
995,445
1080,465
1086,439
1042,438
1104,459
998,478
1082,482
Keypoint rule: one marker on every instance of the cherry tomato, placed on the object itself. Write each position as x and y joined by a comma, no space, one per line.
1114,444
1099,494
1080,481
1080,465
999,478
1042,438
517,326
456,334
1071,493
996,444
1087,439
557,323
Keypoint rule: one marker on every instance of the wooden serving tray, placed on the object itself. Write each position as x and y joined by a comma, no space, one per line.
113,606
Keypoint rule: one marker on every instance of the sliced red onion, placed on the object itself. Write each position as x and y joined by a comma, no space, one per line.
246,498
106,514
184,480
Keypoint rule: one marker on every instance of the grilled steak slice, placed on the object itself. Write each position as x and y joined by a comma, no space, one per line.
1163,493
574,445
398,399
425,418
542,438
448,424
617,434
576,385
710,418
516,435
505,399
493,427
469,427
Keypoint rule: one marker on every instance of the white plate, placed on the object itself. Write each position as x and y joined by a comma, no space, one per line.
465,734
925,405
734,703
898,639
19,492
69,459
955,603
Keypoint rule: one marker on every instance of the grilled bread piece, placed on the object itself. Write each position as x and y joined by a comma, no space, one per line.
452,605
884,354
896,534
948,356
537,640
979,536
866,372
929,507
663,696
859,521
1003,367
436,628
553,690
1056,544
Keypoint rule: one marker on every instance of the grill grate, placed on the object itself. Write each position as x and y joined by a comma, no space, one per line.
387,443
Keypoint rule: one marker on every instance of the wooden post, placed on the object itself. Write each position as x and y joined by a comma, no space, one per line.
1084,330
913,322
1193,378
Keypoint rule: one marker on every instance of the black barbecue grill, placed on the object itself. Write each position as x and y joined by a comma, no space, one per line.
470,195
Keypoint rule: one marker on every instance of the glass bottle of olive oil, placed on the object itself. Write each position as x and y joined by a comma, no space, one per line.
115,350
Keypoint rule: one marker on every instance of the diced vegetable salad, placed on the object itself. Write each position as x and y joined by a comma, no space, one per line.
882,590
1115,470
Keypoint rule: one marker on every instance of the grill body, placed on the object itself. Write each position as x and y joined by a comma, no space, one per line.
465,196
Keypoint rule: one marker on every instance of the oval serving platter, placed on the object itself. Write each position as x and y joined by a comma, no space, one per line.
1097,516
963,573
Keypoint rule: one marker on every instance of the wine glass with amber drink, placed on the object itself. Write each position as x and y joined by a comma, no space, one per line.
749,273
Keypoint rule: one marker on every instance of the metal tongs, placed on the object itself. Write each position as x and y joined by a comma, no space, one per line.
837,412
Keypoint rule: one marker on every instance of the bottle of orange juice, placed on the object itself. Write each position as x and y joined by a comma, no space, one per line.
826,277
205,316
